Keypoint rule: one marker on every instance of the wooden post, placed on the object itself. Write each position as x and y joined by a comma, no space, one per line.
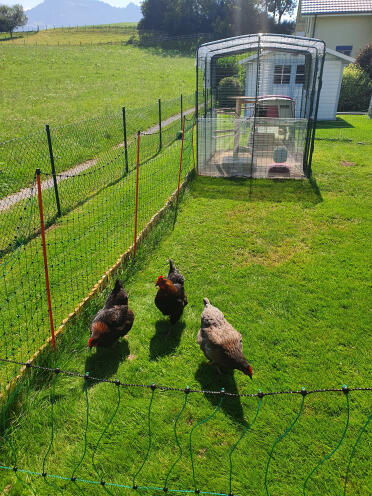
238,111
136,208
50,311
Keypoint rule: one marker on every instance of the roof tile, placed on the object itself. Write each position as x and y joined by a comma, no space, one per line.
311,7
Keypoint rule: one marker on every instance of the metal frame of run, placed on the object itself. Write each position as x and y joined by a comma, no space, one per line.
260,144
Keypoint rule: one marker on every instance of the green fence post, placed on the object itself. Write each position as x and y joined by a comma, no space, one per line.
160,140
53,169
181,112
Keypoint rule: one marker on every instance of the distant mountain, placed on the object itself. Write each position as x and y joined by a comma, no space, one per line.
80,13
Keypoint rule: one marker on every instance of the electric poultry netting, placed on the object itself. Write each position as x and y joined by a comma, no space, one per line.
146,418
95,227
91,144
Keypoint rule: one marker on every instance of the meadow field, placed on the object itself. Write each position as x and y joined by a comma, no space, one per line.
288,263
62,84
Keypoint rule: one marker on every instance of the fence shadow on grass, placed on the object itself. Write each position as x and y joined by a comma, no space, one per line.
166,338
210,379
337,124
104,362
305,192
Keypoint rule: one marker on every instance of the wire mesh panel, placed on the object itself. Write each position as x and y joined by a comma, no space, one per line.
248,147
260,98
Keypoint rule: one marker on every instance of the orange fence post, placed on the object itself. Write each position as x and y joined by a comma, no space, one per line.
179,174
136,209
50,311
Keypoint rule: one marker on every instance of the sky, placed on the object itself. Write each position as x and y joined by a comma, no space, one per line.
28,4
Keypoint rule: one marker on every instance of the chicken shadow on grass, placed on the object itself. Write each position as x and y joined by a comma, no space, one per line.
166,338
211,380
104,362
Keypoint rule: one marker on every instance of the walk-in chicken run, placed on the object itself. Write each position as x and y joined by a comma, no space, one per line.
258,100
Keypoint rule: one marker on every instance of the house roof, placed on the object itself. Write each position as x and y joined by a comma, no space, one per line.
342,56
323,7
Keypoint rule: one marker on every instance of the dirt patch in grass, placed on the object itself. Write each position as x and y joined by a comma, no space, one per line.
344,163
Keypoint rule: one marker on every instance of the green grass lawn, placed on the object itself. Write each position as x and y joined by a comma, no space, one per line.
288,263
59,85
354,128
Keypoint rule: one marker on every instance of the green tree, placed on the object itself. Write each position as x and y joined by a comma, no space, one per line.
278,8
11,18
219,17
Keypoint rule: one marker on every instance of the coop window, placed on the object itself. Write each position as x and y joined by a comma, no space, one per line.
282,74
300,74
345,49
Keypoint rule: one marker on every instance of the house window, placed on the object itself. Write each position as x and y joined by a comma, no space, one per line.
300,74
282,74
345,49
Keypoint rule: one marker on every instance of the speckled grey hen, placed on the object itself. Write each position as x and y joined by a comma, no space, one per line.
220,342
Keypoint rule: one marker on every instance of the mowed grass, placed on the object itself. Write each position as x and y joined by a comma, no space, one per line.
346,127
59,85
288,262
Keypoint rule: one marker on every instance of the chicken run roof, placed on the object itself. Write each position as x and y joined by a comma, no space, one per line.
319,7
241,44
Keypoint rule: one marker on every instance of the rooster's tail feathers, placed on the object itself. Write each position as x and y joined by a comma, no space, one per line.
206,301
172,268
118,285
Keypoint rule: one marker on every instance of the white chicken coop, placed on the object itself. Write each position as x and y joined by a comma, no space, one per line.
258,98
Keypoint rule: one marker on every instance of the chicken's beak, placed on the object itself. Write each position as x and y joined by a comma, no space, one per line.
249,373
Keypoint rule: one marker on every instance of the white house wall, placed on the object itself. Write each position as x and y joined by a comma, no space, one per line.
329,95
332,76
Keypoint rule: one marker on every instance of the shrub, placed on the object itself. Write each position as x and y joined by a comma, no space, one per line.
364,59
229,86
226,67
356,90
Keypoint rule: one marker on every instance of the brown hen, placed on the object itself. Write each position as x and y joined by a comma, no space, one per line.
220,342
113,321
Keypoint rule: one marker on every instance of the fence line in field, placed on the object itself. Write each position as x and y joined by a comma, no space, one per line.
98,210
89,143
